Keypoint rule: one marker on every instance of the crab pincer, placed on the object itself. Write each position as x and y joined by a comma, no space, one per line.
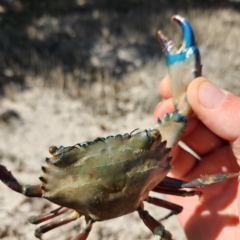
183,65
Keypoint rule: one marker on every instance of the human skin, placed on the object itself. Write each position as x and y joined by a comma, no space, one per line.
214,134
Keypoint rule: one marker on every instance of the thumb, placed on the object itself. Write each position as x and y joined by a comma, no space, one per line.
218,109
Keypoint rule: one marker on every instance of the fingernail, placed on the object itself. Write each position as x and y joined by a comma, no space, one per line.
210,96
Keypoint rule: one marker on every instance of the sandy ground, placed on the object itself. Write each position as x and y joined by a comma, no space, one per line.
43,114
47,118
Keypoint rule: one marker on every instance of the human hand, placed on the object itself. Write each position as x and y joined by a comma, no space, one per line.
214,134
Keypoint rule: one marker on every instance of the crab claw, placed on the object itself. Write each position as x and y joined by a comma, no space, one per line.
183,65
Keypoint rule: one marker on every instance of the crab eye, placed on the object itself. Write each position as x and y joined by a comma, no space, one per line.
153,134
52,149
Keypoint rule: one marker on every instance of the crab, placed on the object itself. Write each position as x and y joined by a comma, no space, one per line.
110,177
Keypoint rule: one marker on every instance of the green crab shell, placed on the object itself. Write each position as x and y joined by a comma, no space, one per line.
108,177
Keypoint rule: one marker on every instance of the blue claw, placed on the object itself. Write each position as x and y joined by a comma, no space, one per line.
188,35
183,65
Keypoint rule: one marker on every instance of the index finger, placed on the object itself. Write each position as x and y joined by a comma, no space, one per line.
164,88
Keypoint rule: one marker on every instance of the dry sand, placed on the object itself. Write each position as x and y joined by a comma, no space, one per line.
48,118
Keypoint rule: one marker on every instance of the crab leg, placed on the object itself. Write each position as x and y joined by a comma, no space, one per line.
209,180
85,231
49,215
171,182
183,65
165,204
156,227
176,192
175,209
54,224
171,185
9,180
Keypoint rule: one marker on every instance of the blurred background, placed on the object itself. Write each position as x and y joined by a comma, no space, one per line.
74,70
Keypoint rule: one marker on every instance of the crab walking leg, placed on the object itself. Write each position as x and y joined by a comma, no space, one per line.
172,186
49,215
171,182
85,231
176,192
9,180
175,209
156,227
209,180
54,224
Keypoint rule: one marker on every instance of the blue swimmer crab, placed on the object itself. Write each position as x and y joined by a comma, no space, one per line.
110,177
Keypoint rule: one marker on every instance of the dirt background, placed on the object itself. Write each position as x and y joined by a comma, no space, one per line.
71,71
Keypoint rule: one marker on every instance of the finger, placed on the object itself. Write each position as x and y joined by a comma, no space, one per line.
186,167
200,139
164,88
182,162
217,109
222,160
225,191
163,107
